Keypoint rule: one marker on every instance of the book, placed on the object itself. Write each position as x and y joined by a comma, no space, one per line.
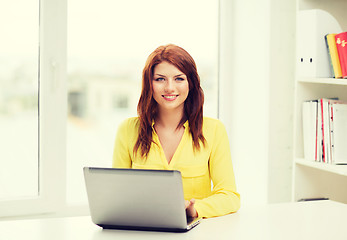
331,103
339,130
341,45
326,127
331,110
333,55
324,104
319,137
309,125
319,130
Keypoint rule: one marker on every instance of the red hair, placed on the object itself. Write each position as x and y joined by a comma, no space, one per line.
147,107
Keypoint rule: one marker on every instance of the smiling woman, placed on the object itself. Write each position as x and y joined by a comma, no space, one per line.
170,133
105,56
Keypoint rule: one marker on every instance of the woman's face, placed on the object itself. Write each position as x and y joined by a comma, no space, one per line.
170,87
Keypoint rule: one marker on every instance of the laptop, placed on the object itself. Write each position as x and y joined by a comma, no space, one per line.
137,199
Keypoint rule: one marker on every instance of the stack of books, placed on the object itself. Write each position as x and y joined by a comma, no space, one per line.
337,49
325,130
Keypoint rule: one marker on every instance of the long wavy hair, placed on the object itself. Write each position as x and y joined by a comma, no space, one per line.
147,107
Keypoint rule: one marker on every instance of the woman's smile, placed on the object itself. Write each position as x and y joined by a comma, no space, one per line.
170,97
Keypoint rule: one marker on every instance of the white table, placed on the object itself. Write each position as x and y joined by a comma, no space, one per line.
306,220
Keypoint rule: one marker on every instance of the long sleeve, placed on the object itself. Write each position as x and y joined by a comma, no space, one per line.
224,199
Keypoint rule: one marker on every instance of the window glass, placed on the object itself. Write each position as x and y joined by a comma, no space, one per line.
108,44
19,53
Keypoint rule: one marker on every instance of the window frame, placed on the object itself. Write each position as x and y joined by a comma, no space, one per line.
52,95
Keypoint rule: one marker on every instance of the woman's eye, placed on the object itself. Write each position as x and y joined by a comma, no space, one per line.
159,79
180,79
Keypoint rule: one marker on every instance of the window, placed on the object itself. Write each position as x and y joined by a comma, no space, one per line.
33,106
108,43
19,59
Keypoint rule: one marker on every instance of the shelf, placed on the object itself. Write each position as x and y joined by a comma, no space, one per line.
323,80
337,169
315,179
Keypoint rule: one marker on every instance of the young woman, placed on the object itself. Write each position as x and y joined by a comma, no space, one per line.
171,133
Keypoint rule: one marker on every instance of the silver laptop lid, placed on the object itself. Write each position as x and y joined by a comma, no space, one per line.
135,198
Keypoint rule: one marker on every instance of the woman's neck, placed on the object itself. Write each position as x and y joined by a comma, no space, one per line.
169,119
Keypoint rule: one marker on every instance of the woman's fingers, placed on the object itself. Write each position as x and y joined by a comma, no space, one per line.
186,203
190,210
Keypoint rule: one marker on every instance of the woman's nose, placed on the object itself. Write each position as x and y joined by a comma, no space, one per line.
169,87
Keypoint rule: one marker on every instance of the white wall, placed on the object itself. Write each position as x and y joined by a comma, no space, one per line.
248,92
281,104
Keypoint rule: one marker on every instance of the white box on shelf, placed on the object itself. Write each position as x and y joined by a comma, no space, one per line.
312,53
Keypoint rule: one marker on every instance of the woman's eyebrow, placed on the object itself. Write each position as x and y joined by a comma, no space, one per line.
182,74
161,75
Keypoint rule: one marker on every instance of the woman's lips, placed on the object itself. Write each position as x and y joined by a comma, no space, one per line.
169,97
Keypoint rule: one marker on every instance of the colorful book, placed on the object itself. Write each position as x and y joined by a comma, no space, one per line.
319,137
341,45
324,103
333,55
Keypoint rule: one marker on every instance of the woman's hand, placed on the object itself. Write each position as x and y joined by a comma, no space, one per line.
190,210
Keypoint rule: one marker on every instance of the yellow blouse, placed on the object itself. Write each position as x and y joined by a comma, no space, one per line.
198,168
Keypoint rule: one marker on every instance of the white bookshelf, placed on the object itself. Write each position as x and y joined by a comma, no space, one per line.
335,169
313,179
327,81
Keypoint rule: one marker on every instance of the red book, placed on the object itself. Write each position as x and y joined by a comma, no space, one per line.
341,45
